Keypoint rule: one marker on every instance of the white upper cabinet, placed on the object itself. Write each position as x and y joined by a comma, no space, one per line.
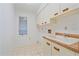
48,11
52,15
76,5
70,6
54,9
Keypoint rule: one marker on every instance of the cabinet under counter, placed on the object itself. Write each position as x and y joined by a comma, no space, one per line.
73,48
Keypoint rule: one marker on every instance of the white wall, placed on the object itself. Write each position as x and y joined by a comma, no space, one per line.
32,33
7,28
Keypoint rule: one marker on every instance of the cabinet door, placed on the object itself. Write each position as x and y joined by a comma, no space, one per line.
75,5
46,47
68,5
56,49
67,52
77,54
54,9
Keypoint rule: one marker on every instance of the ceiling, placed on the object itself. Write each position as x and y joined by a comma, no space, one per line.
29,7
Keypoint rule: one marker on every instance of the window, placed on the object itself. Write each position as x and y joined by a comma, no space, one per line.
22,25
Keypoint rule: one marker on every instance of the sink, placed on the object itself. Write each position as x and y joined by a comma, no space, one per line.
66,39
63,39
71,41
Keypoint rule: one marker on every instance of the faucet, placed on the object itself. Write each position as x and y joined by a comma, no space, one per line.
65,34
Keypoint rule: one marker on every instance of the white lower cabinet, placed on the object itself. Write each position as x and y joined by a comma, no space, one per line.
46,47
51,48
67,52
58,50
77,54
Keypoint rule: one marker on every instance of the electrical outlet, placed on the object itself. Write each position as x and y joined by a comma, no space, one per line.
65,27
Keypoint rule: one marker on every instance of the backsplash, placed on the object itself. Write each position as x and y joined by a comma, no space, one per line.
68,24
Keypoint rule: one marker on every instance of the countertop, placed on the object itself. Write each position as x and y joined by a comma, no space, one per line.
72,45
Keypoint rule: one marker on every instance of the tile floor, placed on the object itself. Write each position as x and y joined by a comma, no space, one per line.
28,50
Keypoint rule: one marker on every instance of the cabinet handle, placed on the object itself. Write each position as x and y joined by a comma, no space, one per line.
48,43
66,9
56,14
57,49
